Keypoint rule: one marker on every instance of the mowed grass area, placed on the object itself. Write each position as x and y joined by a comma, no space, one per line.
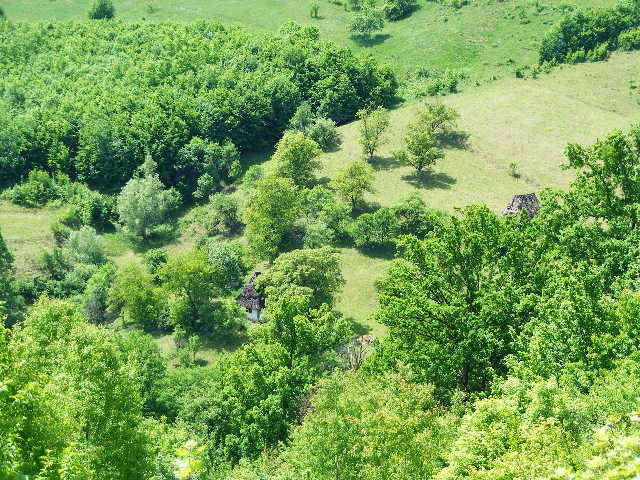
484,39
510,120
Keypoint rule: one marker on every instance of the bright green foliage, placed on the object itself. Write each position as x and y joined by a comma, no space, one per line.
296,158
323,131
442,303
39,189
270,215
324,218
73,405
304,331
102,9
194,282
399,9
7,272
228,257
422,147
95,299
154,258
367,20
311,272
144,203
413,217
135,294
587,30
373,124
364,427
353,181
377,229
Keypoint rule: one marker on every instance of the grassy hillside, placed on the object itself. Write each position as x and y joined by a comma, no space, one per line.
526,121
483,39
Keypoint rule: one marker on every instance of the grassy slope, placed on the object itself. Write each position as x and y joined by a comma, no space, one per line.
527,121
479,38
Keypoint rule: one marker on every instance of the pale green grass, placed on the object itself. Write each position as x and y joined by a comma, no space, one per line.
27,233
485,38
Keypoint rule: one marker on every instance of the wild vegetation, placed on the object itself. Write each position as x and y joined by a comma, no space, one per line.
236,255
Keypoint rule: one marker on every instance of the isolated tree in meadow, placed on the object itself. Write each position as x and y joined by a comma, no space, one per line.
367,20
373,124
102,9
422,148
144,202
271,212
439,117
296,158
354,180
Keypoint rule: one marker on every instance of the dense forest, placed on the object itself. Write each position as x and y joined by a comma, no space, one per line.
215,349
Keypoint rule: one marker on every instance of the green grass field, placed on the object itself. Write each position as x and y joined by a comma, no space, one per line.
484,39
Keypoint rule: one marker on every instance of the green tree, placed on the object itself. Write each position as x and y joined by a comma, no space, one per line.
269,215
365,427
296,158
135,294
314,272
96,295
229,258
367,20
354,180
102,9
376,229
194,282
422,147
449,301
7,272
373,124
144,203
85,246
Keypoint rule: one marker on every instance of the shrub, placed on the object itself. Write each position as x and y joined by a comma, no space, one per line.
629,40
398,9
229,258
324,132
154,258
413,217
85,246
376,229
102,9
60,233
39,189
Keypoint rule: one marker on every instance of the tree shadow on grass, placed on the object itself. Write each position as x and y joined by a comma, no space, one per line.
359,328
370,41
383,252
385,163
454,139
429,181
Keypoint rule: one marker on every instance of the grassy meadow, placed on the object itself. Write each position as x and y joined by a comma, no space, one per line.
527,122
484,39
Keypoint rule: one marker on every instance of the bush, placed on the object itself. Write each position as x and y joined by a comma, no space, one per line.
398,9
85,246
229,258
413,217
376,229
154,258
61,233
629,40
324,132
39,189
102,9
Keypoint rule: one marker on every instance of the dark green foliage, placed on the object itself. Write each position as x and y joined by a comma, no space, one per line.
96,295
39,189
376,229
588,30
415,218
102,9
7,288
161,85
399,9
154,258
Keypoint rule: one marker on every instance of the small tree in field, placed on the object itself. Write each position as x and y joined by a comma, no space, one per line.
144,203
353,181
314,10
366,21
373,124
422,147
102,9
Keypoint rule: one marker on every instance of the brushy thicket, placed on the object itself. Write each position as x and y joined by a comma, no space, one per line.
590,34
91,99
